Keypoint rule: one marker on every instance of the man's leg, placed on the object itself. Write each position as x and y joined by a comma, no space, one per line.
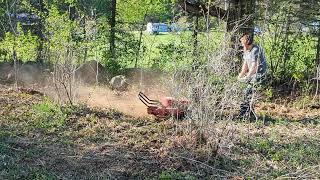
245,105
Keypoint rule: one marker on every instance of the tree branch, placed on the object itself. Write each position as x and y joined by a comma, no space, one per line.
197,9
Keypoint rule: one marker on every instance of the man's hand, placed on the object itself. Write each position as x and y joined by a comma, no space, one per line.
240,76
245,79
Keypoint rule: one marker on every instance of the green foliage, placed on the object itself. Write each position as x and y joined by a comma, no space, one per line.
81,29
24,42
102,7
170,56
58,29
48,116
135,10
293,60
127,46
289,41
269,93
172,51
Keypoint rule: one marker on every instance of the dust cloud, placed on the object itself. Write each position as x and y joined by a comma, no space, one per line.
84,91
125,101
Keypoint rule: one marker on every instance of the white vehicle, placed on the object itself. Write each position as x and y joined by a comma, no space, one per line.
156,28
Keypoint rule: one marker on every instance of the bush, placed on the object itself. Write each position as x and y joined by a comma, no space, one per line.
48,116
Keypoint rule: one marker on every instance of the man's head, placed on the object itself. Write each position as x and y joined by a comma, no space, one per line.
246,39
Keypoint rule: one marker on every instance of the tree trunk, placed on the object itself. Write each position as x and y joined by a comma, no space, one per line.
85,39
318,63
241,20
239,16
318,49
285,46
113,29
40,30
14,49
195,36
195,43
140,41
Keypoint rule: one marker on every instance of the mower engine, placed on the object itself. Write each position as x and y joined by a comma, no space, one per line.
166,107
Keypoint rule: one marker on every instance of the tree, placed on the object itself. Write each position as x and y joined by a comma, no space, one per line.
2,18
113,28
238,16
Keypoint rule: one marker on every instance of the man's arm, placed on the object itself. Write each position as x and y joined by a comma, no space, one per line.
253,70
244,70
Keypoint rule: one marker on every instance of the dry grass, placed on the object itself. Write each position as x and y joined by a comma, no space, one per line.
41,140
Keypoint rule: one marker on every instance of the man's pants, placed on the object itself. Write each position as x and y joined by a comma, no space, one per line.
246,105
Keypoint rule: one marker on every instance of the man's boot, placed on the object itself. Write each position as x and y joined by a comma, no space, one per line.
243,112
244,109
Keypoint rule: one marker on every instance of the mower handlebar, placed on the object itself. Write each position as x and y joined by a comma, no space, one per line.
148,102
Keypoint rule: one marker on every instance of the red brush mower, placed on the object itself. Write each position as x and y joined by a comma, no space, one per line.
167,107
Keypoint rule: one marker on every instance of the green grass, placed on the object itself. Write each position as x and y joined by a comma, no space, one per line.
48,116
165,49
293,153
284,148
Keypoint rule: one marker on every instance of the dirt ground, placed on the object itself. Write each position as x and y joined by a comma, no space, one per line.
91,141
126,102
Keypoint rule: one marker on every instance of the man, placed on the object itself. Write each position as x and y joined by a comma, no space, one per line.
253,71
